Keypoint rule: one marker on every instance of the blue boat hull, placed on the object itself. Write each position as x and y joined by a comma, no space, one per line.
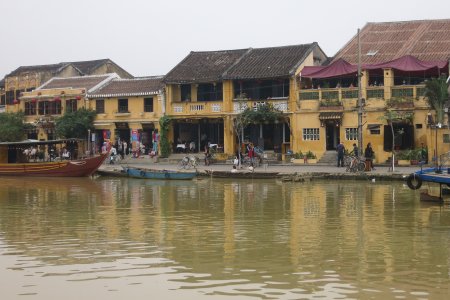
159,174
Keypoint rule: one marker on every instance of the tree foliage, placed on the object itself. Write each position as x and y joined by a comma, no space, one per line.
436,94
164,124
12,127
75,124
266,113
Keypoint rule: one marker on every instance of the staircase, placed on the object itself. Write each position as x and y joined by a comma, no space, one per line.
329,158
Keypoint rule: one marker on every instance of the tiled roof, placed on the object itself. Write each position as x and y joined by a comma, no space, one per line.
270,62
130,87
85,67
427,40
53,68
203,66
88,66
79,82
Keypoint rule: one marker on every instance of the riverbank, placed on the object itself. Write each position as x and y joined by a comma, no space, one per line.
284,170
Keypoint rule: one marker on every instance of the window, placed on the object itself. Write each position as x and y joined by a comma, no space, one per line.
100,106
209,92
71,105
123,106
148,104
310,134
49,108
185,92
10,97
3,99
351,134
30,108
375,131
446,137
418,126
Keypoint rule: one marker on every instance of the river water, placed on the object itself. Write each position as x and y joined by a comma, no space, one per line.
119,238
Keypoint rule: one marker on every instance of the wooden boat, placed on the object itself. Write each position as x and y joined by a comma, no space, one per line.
242,174
159,174
13,162
65,168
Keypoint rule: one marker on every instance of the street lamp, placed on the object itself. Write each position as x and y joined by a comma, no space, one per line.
436,126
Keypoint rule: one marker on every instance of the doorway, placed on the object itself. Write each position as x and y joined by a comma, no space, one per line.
332,131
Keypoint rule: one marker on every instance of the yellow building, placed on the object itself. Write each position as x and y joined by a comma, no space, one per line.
55,97
2,96
393,75
127,110
206,90
28,78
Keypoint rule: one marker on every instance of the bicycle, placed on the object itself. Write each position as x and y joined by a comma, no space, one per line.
247,162
354,164
188,162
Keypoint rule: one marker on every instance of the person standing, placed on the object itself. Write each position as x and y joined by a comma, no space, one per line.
355,150
369,155
155,141
207,155
340,154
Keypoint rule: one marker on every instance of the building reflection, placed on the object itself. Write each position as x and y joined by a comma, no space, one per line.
291,231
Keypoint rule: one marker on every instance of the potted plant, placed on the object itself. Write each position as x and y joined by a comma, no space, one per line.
311,158
298,158
403,157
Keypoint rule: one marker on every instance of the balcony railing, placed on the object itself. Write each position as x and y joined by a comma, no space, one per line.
189,108
340,94
241,105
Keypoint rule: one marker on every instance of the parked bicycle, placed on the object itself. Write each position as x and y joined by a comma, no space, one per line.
188,162
354,164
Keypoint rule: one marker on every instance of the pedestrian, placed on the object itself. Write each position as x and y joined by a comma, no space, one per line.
424,154
251,154
369,155
355,150
155,141
340,154
207,155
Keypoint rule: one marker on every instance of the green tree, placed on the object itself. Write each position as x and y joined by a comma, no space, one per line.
12,127
390,116
164,123
266,113
436,94
75,124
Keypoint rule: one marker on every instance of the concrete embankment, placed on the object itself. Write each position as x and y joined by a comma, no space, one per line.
288,172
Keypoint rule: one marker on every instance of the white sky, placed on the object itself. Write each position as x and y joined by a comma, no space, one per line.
148,37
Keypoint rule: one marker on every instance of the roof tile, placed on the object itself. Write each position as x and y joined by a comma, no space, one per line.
424,39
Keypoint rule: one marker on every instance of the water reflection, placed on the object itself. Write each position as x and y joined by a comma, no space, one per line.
115,237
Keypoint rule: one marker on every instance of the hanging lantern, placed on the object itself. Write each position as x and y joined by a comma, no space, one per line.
33,100
16,101
39,93
57,99
78,97
62,92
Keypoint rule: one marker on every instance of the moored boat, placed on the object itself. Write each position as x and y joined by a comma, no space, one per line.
159,174
14,163
242,174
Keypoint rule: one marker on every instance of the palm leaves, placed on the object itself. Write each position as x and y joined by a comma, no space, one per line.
436,94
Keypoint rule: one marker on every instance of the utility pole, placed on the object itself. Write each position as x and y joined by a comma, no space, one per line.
360,108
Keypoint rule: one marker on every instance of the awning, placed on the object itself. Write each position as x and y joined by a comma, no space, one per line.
122,125
330,116
373,126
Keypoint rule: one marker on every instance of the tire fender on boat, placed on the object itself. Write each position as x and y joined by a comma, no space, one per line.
414,182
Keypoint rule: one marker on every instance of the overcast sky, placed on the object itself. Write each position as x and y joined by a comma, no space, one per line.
148,37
